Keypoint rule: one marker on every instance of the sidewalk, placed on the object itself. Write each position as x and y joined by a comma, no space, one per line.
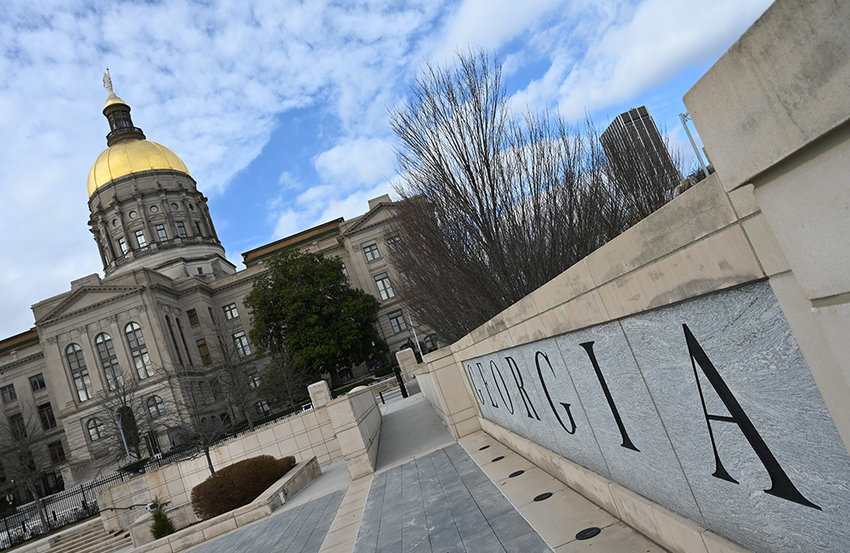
432,494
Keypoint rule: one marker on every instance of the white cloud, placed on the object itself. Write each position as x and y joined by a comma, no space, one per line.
638,50
489,24
356,162
211,82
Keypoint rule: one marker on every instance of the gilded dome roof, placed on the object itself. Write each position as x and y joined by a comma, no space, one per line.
132,156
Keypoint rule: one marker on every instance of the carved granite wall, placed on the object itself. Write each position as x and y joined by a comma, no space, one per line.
706,407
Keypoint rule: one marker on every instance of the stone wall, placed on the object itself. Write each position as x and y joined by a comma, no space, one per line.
691,376
357,423
303,436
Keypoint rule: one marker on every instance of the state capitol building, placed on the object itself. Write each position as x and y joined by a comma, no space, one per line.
138,345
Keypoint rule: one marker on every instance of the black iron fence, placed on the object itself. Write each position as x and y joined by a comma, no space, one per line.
80,502
60,509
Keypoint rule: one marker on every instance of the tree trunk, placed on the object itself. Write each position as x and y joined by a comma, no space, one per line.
247,411
45,525
209,460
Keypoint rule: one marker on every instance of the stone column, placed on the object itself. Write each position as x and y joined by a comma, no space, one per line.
406,362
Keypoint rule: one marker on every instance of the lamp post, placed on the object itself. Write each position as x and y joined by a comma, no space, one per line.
9,499
415,339
683,117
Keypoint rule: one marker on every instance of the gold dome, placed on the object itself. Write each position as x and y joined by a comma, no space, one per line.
114,100
132,156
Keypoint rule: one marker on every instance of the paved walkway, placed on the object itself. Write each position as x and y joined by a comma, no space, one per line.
442,502
300,529
432,494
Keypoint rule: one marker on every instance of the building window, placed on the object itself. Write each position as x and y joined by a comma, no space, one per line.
243,349
198,228
57,452
193,317
138,350
109,361
154,209
393,243
155,407
37,382
371,252
123,245
9,393
133,215
206,359
230,311
430,342
253,378
140,238
17,426
173,339
45,413
397,321
161,235
385,288
344,269
79,372
183,339
95,428
181,229
262,407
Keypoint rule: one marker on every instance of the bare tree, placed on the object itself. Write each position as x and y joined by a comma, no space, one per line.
228,368
25,456
492,206
198,410
282,384
130,419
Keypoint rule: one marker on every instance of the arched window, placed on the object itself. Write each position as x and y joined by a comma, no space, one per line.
79,372
95,428
109,361
155,407
138,350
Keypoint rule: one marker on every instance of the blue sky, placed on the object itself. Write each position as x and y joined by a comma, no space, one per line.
279,109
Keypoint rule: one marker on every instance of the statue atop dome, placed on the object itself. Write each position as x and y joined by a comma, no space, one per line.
107,83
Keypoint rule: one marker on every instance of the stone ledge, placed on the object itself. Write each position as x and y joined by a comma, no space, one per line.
663,526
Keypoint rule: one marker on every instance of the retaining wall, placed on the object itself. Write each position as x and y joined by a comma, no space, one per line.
691,376
303,436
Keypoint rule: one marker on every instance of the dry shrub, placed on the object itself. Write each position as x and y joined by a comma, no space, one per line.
237,484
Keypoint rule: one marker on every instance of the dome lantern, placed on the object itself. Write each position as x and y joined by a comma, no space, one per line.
117,112
128,151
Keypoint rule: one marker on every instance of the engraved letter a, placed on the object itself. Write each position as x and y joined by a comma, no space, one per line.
781,485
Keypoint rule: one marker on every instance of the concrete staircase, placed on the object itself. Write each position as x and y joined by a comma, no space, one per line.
89,538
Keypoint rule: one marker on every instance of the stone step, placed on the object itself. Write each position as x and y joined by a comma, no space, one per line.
104,545
91,538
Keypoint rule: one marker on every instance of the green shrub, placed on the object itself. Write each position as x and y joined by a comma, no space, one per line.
162,525
383,371
237,485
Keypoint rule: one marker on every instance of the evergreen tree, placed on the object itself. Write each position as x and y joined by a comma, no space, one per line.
307,316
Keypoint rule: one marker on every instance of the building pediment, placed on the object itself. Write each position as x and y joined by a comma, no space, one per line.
377,215
87,298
